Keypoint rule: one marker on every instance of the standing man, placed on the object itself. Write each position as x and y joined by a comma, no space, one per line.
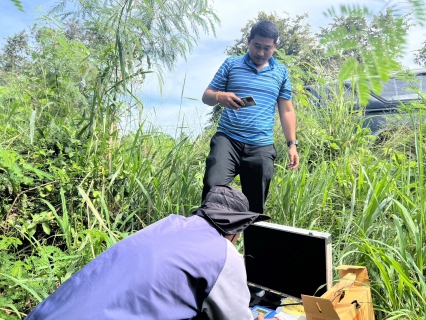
243,143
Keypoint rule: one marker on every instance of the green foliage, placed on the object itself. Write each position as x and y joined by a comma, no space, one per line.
295,35
14,172
6,242
420,56
15,53
18,4
73,183
136,36
369,50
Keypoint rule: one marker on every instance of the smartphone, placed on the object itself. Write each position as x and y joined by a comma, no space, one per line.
248,101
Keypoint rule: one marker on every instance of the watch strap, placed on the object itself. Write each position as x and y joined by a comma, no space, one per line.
295,142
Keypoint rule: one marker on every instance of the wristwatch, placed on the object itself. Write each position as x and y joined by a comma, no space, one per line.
295,142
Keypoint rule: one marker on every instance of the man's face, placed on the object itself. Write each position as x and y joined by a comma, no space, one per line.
261,49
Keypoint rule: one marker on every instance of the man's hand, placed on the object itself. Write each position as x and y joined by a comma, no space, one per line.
225,99
262,317
229,100
293,156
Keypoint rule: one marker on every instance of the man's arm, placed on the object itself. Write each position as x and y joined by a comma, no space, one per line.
230,296
225,99
288,124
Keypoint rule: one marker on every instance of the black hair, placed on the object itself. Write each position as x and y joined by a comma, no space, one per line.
264,28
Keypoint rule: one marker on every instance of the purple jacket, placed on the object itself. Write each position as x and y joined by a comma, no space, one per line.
175,268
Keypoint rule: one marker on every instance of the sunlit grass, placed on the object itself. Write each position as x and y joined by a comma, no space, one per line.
92,191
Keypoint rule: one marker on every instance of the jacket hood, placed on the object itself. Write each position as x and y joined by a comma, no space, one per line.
227,209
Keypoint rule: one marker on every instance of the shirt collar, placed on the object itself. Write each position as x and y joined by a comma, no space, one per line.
246,57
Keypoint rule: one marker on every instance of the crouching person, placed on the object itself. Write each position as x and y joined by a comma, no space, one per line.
176,268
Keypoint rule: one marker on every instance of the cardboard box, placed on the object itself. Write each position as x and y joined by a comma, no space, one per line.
349,299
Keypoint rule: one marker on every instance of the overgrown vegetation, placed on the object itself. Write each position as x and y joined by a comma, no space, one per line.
74,180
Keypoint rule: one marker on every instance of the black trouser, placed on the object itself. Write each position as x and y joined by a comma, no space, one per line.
254,164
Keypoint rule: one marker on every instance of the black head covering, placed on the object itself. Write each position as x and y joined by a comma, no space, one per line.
227,209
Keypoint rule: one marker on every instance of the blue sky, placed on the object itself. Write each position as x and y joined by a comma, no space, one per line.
193,75
13,21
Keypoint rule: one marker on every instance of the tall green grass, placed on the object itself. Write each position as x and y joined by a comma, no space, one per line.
368,196
66,197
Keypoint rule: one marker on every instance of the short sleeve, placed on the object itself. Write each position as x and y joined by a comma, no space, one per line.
220,79
285,90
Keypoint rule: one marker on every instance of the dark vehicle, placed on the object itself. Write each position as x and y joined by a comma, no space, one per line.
384,110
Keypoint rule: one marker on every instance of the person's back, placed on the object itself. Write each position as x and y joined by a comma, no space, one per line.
165,271
177,268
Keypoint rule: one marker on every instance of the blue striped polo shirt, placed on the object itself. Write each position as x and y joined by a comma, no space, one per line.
253,125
